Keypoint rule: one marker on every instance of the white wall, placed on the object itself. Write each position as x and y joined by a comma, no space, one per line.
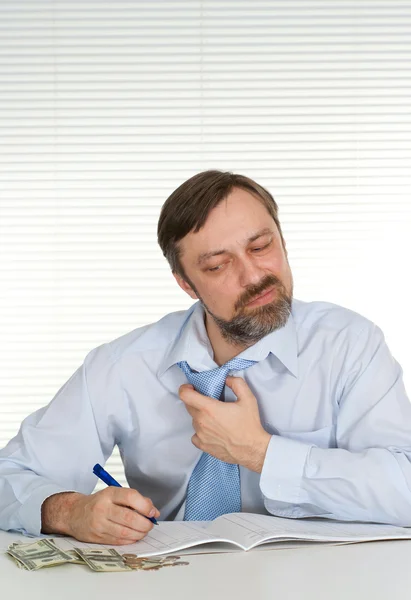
106,107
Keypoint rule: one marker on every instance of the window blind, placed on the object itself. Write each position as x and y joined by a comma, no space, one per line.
106,107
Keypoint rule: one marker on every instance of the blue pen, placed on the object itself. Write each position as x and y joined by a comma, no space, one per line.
109,480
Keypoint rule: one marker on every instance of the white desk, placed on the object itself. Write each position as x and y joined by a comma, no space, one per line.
377,570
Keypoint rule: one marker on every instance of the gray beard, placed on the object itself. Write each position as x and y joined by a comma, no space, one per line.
250,326
246,330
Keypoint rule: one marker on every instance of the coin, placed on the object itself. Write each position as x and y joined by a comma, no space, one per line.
154,560
151,563
133,560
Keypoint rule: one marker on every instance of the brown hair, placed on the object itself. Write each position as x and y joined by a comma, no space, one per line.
187,209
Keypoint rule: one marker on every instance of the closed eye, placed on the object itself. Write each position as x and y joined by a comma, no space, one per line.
217,268
262,247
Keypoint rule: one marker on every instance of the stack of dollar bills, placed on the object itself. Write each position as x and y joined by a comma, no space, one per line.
45,553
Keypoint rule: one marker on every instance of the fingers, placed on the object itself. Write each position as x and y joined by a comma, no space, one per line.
241,389
118,526
194,399
115,516
118,530
128,524
110,516
196,441
108,532
133,499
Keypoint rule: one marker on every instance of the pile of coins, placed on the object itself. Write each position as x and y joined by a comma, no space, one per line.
153,563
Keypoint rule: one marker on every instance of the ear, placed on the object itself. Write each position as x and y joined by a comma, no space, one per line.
185,286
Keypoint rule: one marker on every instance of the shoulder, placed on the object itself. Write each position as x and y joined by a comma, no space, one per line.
153,336
334,328
345,338
329,317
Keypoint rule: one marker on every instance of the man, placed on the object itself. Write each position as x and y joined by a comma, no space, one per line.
315,422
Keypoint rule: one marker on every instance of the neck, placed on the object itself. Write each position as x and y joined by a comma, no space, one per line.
223,350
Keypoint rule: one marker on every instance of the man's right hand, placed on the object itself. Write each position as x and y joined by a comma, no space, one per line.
106,517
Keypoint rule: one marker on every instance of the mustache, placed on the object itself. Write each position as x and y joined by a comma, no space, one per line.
258,290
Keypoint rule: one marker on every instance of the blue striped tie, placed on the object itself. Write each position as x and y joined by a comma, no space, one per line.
214,486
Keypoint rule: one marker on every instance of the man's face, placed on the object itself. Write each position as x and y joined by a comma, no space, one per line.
238,269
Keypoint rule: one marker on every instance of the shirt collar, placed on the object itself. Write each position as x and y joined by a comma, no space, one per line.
193,345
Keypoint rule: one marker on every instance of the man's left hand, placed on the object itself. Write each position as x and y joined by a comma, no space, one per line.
230,431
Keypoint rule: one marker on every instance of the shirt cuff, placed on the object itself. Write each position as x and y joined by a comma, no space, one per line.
283,470
30,511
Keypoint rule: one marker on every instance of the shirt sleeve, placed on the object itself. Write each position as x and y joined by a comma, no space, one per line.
58,445
367,476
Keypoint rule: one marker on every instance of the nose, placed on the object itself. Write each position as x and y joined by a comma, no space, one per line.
250,272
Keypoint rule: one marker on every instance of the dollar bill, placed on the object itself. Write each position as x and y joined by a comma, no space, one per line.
45,553
40,554
103,559
75,558
17,562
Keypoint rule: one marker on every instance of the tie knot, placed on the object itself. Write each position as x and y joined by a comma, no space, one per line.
211,383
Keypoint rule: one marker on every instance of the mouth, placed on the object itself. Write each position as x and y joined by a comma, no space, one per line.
263,298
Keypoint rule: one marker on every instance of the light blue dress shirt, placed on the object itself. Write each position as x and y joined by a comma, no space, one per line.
328,389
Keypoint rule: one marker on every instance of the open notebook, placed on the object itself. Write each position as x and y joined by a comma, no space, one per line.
246,531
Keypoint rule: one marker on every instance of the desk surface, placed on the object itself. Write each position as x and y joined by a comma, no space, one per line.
368,570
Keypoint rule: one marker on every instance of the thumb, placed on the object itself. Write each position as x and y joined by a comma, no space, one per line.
240,389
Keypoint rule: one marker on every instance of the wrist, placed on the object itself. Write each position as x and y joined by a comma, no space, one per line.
255,455
56,512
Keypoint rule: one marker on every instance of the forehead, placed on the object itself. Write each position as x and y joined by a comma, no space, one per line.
229,226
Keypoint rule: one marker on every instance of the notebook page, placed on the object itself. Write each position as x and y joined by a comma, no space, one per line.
221,547
168,537
249,530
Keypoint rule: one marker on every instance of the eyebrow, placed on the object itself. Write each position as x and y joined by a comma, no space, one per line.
205,255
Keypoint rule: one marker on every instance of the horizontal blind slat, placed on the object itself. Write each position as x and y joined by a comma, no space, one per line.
105,109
